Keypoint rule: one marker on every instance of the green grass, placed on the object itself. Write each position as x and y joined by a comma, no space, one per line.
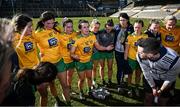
116,99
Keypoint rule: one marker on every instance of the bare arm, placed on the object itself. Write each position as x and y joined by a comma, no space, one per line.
126,51
102,48
72,53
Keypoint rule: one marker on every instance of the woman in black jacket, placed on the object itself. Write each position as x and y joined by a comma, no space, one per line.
122,30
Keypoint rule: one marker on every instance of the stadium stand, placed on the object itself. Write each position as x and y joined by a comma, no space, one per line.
177,14
62,8
172,6
0,2
156,14
129,11
140,8
156,11
156,7
78,8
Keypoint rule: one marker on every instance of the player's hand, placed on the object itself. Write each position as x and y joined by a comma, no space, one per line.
154,91
159,92
76,57
110,47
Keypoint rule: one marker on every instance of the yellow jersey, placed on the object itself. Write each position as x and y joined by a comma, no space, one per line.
66,41
84,47
26,50
48,44
132,42
171,38
58,27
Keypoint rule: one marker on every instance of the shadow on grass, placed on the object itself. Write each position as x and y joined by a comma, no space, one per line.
85,102
114,99
111,101
121,99
113,89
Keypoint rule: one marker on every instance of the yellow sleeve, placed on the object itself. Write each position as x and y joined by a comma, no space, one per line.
128,41
76,43
58,27
94,38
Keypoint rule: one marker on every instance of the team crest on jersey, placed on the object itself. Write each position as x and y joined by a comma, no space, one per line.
28,46
69,45
135,44
169,38
86,49
52,42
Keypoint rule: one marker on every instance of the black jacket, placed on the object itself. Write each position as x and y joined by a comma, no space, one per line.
117,29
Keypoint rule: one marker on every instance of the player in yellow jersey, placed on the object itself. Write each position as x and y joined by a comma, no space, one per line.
47,38
67,39
82,52
130,55
170,34
24,43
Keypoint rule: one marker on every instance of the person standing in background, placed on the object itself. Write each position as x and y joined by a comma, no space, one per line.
106,38
94,28
170,34
123,29
67,39
130,55
82,53
24,43
153,29
47,38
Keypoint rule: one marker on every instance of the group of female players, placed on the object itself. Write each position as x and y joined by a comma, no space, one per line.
84,49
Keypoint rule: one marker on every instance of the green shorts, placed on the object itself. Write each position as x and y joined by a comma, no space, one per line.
133,64
96,56
83,66
70,65
61,66
106,55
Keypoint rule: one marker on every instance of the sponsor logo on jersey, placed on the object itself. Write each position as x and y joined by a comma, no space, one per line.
135,44
28,46
52,42
86,49
69,45
169,38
